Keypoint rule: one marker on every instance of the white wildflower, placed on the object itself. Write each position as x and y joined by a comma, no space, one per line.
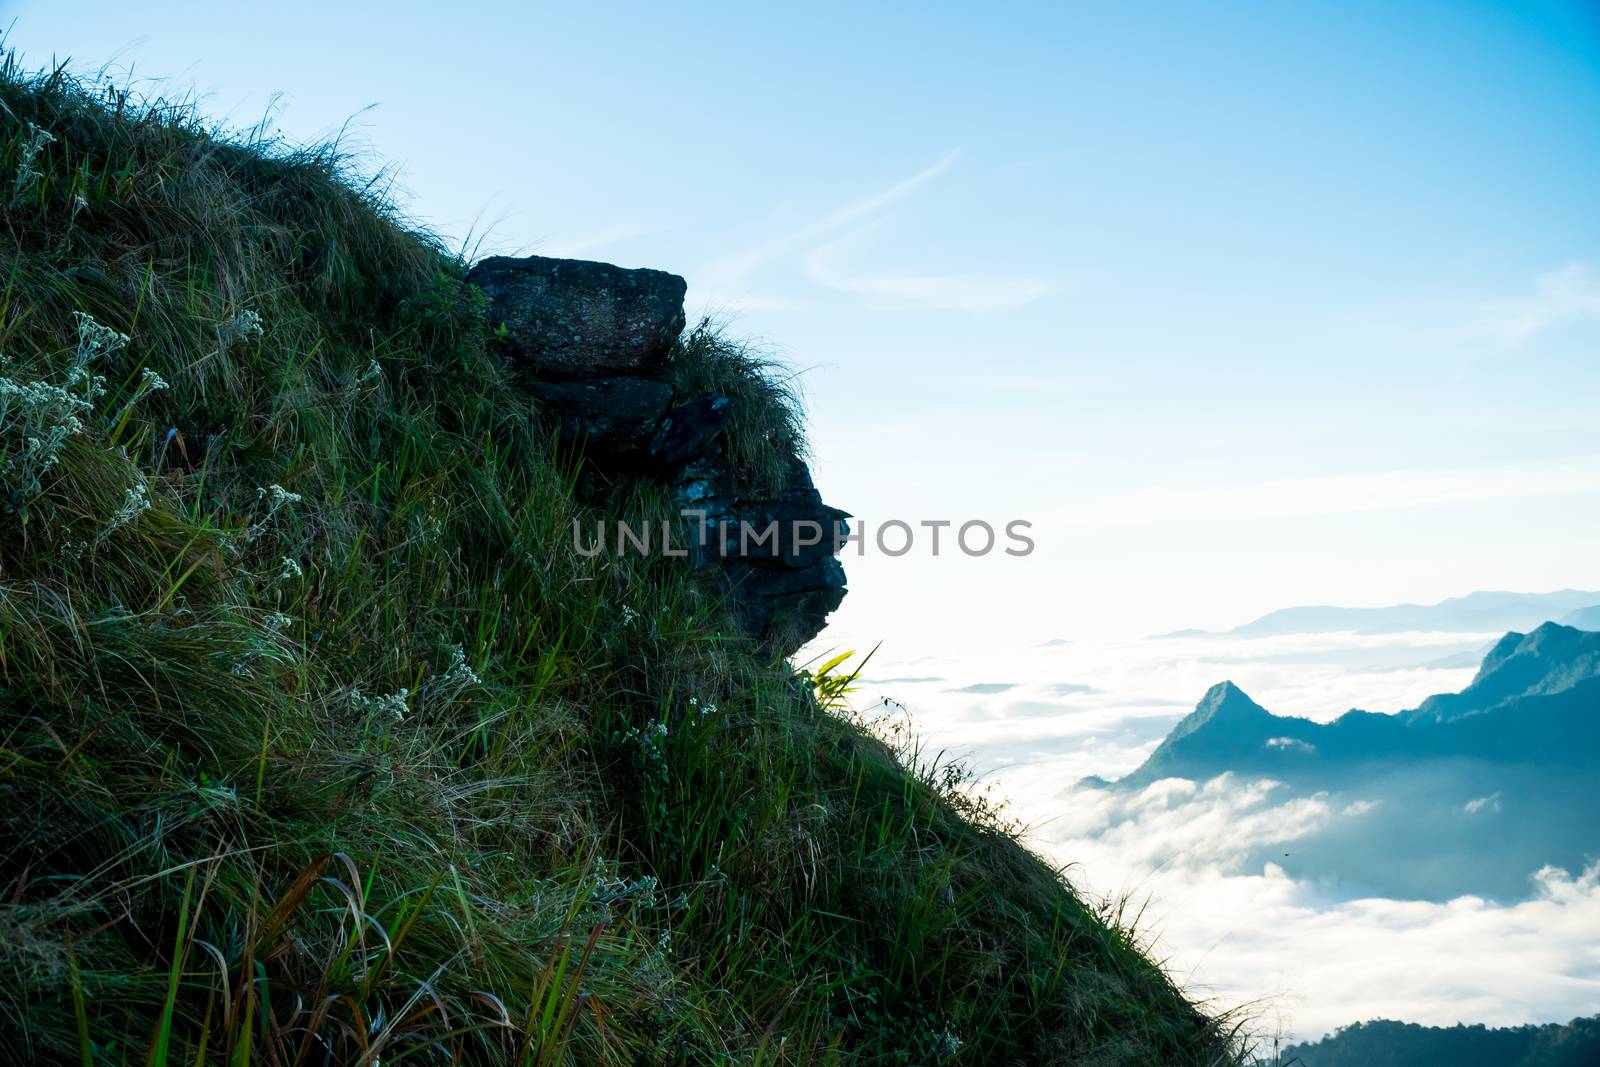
94,339
150,382
460,674
289,570
135,502
243,325
277,498
28,175
392,704
629,616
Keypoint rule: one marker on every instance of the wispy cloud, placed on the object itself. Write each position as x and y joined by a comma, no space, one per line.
891,290
822,249
736,268
1338,494
1560,296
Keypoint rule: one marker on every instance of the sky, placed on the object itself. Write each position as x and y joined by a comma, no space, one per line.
1239,305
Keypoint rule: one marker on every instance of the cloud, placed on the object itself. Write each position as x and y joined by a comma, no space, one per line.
730,272
1307,961
1477,804
890,290
1291,744
1231,927
1337,494
985,688
1560,296
823,249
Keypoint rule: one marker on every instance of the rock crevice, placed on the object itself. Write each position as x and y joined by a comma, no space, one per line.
592,343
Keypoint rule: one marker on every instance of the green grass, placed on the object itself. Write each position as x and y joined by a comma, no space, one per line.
766,431
319,744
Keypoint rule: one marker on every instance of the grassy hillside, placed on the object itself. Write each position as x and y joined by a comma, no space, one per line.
319,744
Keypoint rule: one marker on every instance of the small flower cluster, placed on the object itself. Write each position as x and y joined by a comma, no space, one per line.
611,890
27,174
277,498
135,503
701,711
42,416
459,674
94,340
629,616
289,570
149,382
244,325
650,738
37,418
396,704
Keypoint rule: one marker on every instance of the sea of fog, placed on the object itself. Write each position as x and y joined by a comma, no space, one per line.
1300,957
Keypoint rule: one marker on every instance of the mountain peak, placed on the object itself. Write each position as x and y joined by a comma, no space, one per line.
1225,698
1547,659
1224,704
1226,721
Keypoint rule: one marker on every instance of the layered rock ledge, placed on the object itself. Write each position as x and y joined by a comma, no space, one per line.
592,343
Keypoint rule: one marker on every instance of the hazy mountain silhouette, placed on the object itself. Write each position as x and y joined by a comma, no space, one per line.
1583,619
1470,792
1482,612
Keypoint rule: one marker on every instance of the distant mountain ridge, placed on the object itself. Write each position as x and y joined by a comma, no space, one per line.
1478,789
1480,612
1583,618
1542,681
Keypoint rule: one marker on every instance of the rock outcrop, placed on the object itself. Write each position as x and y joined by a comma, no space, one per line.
592,343
572,318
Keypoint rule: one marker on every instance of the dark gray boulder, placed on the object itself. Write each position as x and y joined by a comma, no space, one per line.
610,418
775,551
571,318
689,429
784,608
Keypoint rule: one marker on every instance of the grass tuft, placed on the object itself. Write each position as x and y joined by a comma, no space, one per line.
767,428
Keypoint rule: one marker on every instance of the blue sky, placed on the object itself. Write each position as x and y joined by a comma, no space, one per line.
1240,305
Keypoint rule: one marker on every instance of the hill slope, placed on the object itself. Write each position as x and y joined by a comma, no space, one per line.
322,745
